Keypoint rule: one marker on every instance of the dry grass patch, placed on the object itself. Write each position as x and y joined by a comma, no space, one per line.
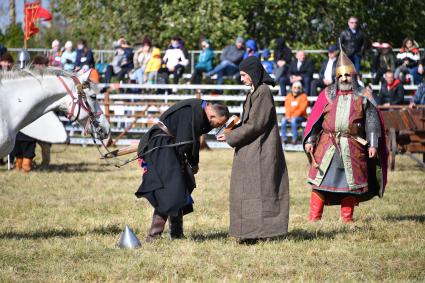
62,225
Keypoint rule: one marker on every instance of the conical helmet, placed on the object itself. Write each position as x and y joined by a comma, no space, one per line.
344,65
23,58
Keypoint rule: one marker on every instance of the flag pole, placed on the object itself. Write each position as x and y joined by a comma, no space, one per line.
25,26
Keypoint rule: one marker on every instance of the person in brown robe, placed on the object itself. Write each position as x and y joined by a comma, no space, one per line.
259,186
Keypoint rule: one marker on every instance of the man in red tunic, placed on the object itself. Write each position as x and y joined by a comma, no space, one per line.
345,143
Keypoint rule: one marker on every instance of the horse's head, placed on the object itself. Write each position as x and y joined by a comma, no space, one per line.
85,109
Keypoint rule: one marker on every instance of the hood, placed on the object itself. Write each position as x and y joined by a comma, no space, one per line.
253,67
251,44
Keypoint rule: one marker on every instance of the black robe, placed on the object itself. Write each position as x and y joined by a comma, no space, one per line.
167,181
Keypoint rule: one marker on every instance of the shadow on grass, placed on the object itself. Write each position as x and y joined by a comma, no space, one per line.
420,218
220,235
60,233
77,167
305,235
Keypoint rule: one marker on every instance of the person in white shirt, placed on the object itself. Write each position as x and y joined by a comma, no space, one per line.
175,60
327,71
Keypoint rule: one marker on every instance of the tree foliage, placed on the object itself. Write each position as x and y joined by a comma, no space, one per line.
307,24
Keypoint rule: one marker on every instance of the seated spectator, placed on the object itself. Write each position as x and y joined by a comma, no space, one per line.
141,59
85,58
407,62
383,61
230,59
205,62
55,54
267,64
327,71
300,70
419,97
122,63
295,111
68,58
153,66
6,62
392,91
282,57
251,49
175,60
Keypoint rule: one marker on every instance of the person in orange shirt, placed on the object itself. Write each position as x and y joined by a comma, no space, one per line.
295,111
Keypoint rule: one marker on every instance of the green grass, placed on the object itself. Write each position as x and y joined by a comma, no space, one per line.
62,225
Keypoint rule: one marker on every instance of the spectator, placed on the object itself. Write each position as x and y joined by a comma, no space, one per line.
175,60
6,62
153,66
353,41
141,59
392,91
421,66
122,63
282,57
40,62
295,111
299,70
327,71
230,59
251,49
383,61
408,61
85,58
205,62
419,97
3,50
68,57
55,54
267,64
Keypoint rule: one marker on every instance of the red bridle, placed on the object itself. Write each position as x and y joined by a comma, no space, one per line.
81,101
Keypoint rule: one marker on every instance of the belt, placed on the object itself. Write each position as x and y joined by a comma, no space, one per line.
337,135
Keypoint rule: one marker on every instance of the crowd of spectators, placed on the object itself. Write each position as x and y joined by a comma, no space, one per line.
144,63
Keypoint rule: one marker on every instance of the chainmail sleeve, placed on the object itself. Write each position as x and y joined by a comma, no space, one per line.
372,125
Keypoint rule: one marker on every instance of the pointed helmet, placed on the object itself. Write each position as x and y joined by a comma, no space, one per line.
344,65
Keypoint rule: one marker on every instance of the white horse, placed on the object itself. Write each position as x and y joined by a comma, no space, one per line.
25,95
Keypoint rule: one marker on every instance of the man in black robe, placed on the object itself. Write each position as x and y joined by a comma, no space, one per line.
169,156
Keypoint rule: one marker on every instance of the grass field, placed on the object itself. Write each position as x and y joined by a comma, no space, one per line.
62,225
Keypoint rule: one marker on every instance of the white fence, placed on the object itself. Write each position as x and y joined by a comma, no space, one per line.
143,110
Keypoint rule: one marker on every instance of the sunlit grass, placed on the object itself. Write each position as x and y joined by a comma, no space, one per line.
63,224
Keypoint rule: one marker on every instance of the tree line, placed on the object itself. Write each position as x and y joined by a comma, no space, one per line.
305,24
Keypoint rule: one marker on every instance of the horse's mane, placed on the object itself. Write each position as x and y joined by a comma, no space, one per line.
30,71
38,74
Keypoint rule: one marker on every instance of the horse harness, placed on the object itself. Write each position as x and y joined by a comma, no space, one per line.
81,101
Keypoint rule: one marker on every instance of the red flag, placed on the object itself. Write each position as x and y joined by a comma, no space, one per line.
34,11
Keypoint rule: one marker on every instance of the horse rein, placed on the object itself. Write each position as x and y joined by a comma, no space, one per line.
81,101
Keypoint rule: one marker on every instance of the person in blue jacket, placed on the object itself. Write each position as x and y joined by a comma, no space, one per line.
267,64
251,49
205,62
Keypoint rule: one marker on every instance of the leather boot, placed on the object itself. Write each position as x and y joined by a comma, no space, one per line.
347,208
317,202
18,163
27,165
176,226
157,227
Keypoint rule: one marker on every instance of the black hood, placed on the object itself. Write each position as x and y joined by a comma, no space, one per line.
253,67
